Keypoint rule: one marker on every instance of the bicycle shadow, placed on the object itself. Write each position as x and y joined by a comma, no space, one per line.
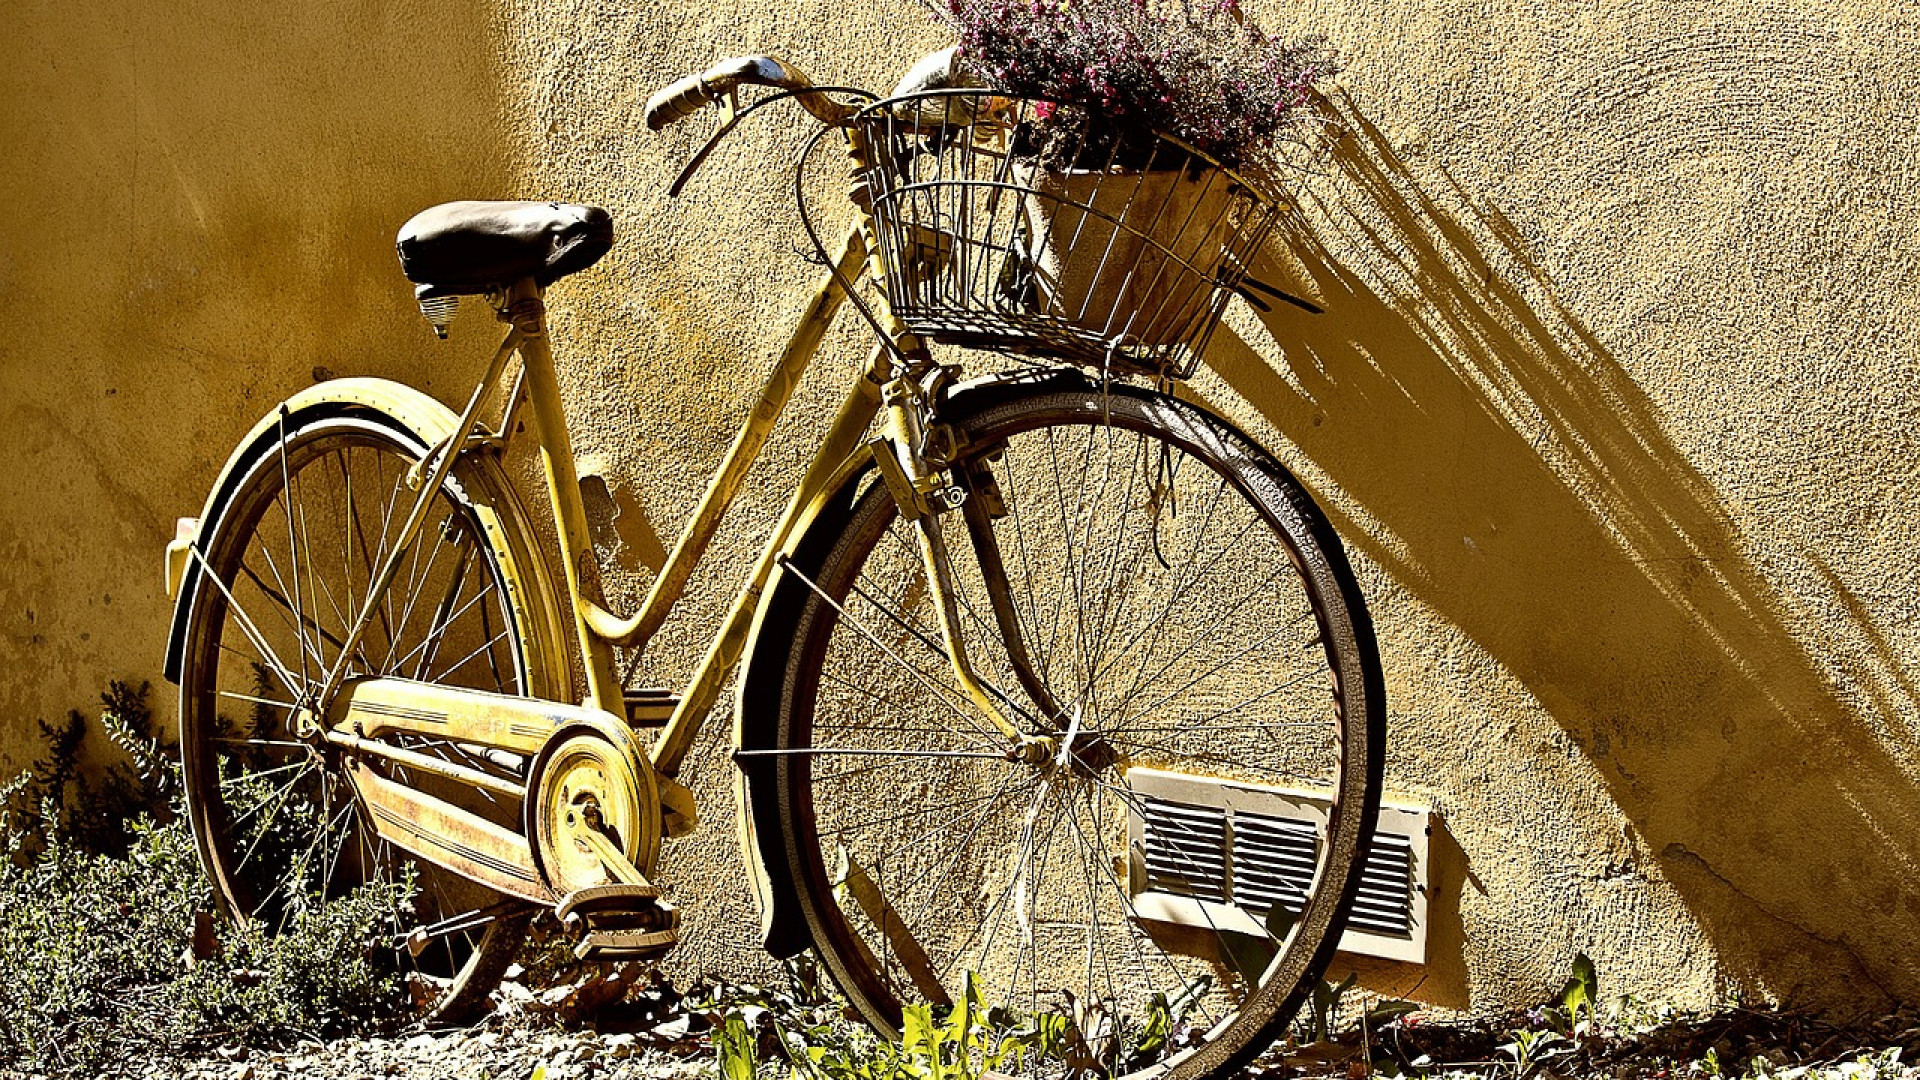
1489,452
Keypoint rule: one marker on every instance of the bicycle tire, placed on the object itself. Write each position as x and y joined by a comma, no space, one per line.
274,817
963,877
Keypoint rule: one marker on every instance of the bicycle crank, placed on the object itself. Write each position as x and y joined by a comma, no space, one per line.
585,820
444,773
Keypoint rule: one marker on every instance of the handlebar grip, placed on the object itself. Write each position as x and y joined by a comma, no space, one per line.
685,97
679,101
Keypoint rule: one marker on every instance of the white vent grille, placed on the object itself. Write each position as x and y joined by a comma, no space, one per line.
1385,903
1187,854
1221,854
1272,861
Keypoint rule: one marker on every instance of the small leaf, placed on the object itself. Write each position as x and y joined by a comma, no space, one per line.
916,1029
1582,992
1249,955
1384,1012
735,1045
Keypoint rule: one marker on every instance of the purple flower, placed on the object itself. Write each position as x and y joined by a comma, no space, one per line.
1160,64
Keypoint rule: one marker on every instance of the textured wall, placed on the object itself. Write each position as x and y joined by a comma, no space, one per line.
201,206
1615,391
1613,400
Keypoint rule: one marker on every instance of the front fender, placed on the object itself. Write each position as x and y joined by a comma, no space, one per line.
783,927
762,679
406,409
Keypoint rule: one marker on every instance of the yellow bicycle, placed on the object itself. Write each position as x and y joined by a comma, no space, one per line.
1048,678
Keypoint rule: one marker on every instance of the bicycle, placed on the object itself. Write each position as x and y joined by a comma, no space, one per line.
982,654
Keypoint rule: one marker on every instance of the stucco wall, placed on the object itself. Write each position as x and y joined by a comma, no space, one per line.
201,200
1613,400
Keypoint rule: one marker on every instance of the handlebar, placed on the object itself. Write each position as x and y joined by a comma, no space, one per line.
687,96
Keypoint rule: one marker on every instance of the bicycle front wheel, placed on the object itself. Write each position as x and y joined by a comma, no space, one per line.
1148,588
286,569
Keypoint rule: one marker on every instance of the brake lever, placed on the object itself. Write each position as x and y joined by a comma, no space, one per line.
730,116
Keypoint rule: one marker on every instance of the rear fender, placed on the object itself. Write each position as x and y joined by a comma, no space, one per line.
401,407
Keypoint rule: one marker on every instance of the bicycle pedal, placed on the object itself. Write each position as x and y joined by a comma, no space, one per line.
614,899
625,945
620,922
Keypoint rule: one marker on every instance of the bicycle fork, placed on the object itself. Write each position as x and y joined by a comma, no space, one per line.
923,491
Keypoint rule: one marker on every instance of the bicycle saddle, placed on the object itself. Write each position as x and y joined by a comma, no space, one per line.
462,248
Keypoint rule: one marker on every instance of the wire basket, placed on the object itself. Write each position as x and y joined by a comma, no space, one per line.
1008,226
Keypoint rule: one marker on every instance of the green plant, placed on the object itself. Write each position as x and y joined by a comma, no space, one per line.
107,946
57,798
1528,1048
968,1040
1581,993
1321,1017
808,1032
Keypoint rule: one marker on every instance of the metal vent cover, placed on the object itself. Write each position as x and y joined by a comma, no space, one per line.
1219,853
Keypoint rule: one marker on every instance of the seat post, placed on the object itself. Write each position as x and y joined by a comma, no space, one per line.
522,306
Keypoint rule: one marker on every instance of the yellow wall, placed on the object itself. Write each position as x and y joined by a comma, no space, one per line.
201,201
1613,399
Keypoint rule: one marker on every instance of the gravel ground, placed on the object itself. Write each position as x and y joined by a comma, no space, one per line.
666,1042
482,1054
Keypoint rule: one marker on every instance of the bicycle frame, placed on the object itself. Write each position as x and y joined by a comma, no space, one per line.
883,386
598,630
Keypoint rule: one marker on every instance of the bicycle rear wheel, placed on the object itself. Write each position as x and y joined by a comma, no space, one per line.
1188,623
286,567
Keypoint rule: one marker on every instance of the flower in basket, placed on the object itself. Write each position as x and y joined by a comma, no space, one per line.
1121,70
1062,157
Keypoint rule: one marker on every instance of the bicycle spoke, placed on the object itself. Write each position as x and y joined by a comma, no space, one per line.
252,699
417,577
288,608
485,647
418,650
895,816
1215,669
247,626
827,751
1126,900
443,615
868,633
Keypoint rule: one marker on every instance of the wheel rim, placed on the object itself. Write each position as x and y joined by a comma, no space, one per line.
1171,620
285,571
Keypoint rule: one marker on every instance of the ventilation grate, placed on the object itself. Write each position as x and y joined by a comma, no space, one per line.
1186,850
1272,862
1214,852
1385,905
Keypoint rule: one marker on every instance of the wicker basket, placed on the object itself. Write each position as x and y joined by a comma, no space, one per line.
1122,260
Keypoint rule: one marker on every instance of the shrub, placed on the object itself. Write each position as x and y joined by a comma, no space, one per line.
57,797
108,947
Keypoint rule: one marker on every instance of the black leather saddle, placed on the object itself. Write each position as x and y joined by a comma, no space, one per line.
463,248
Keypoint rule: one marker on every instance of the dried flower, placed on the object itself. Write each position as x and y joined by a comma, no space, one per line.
1201,72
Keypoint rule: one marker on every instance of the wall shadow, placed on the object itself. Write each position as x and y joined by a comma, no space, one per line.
1491,454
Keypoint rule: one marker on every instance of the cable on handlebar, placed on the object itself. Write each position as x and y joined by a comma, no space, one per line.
700,156
813,235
